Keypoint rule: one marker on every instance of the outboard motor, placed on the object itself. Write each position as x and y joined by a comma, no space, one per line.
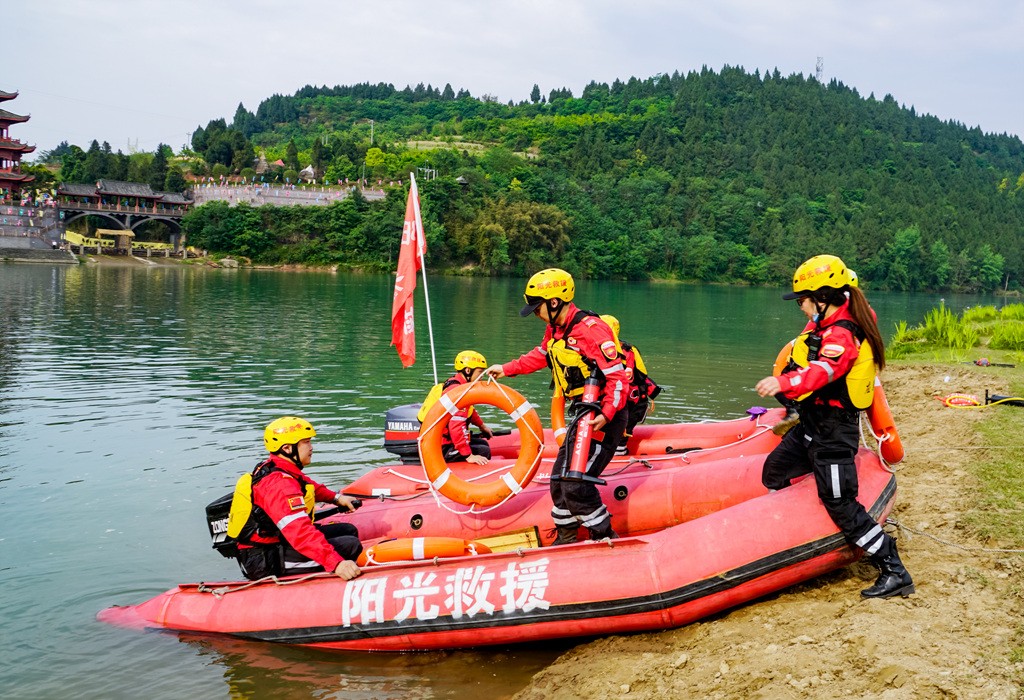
401,428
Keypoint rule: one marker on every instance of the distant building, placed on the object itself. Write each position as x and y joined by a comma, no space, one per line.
11,151
115,195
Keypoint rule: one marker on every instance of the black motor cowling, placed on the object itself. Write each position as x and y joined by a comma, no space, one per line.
401,429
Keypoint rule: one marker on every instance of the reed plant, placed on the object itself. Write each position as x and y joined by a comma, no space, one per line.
1008,336
979,314
904,341
1012,312
944,329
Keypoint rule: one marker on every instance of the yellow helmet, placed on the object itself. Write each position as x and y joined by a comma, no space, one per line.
551,283
469,359
286,431
818,272
612,322
853,278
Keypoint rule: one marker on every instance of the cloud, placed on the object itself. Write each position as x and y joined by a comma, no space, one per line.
154,69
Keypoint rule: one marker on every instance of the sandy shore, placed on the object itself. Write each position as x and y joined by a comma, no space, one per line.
821,639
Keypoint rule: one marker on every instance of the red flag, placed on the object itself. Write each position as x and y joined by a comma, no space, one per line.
410,260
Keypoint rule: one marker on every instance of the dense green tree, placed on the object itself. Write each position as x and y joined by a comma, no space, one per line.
291,156
175,180
712,175
158,168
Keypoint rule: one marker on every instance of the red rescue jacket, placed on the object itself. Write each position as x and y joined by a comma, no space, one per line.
457,433
592,338
280,495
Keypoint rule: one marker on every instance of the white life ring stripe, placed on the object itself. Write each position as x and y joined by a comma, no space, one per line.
441,480
418,547
511,482
521,411
448,404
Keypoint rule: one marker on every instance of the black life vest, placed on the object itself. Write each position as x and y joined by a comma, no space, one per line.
247,519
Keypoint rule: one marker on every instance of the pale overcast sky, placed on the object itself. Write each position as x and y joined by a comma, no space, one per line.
153,70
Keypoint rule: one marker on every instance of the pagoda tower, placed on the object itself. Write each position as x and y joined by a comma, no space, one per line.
11,151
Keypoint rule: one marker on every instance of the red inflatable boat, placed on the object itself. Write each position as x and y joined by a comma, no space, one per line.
698,534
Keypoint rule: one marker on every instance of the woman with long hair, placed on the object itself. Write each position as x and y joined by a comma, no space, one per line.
831,374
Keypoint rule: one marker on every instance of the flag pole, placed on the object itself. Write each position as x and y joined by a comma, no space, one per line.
420,244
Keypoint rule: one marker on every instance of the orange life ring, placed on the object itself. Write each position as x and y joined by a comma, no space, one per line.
420,548
783,359
531,435
558,418
884,426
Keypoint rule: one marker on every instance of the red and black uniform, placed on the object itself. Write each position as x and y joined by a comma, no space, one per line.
825,440
285,540
457,444
578,503
641,388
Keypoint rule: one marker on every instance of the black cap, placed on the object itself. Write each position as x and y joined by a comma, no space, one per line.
788,296
531,305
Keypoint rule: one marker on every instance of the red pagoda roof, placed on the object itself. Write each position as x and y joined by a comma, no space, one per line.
11,117
8,176
15,145
7,95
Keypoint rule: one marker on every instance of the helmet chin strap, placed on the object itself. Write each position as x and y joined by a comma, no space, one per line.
819,312
292,456
552,314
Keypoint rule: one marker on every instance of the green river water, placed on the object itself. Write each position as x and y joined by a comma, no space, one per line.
131,397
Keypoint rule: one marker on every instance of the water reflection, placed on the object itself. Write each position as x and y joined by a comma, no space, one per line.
258,670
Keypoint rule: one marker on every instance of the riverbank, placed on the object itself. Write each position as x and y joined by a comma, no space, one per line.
959,636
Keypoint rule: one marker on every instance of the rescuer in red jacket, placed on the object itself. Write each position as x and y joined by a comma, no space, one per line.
642,389
277,534
831,373
457,444
577,345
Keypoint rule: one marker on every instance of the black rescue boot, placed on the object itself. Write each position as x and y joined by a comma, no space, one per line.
893,579
605,532
567,534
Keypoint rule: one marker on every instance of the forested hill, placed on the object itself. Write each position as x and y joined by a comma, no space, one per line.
712,175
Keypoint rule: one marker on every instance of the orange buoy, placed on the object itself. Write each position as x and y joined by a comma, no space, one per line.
420,548
558,418
880,417
531,435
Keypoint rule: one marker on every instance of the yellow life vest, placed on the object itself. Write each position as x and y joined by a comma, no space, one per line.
858,390
432,398
244,516
569,369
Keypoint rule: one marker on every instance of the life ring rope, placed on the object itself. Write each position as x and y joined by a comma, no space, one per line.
439,475
879,440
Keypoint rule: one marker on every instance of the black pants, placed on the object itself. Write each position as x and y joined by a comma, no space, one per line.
576,503
478,445
282,559
825,443
637,414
